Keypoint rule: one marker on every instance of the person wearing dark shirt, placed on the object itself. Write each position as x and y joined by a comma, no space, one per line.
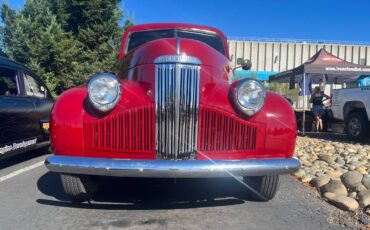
317,98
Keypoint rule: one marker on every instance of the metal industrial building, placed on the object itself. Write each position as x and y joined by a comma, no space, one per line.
269,56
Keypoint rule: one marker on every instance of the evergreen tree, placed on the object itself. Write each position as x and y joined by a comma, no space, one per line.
65,42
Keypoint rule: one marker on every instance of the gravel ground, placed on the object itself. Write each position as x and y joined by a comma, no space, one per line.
338,170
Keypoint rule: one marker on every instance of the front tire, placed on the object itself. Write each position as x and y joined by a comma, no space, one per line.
79,187
357,126
264,187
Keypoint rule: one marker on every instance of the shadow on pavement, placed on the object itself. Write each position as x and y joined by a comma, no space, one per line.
22,157
147,193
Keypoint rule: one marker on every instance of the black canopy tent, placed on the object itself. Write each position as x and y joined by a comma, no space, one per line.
323,63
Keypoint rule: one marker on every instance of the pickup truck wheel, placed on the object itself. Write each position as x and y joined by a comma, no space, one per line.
79,187
265,187
357,126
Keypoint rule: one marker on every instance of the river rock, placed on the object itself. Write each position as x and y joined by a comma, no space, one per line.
353,195
334,174
334,186
306,178
299,173
308,170
326,157
336,167
320,181
343,202
362,170
320,163
366,181
341,162
317,149
364,198
329,147
351,179
355,164
299,153
351,167
359,188
365,220
351,150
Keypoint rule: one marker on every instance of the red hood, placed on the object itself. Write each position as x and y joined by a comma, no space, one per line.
138,66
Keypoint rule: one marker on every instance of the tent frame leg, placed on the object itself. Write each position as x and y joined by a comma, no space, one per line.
304,104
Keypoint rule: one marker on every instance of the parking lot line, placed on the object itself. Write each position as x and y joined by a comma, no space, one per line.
20,171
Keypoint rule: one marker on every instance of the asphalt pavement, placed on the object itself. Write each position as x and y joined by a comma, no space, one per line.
32,198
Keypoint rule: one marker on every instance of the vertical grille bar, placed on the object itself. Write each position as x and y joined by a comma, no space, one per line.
177,102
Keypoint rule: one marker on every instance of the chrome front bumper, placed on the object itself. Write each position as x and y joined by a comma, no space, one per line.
170,168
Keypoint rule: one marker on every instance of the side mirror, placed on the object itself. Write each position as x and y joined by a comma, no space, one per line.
246,64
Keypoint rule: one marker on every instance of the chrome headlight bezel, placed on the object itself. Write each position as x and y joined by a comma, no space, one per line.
110,103
241,105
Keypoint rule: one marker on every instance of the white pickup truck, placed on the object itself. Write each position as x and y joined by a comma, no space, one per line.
352,105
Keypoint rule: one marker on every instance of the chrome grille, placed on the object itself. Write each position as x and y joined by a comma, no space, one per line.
177,101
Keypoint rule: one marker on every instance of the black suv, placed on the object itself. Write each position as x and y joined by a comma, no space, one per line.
25,105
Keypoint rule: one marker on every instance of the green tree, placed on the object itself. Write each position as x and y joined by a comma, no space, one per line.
34,37
65,42
92,24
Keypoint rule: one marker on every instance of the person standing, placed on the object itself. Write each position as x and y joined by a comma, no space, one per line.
316,99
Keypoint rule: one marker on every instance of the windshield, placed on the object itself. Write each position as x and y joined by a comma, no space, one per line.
139,38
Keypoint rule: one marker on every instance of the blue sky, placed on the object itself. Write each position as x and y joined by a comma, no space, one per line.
315,19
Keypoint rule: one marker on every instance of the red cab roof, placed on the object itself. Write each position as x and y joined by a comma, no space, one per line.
173,26
155,26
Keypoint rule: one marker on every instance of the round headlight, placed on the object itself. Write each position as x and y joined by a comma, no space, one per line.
250,96
104,91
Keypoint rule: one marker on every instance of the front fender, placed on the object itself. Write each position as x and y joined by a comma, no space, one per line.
281,125
67,123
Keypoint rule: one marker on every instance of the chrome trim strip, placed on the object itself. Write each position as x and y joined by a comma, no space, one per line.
177,45
171,168
184,59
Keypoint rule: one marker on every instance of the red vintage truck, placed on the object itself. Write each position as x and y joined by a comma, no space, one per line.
170,112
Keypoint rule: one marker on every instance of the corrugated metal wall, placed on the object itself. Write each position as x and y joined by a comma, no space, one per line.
281,56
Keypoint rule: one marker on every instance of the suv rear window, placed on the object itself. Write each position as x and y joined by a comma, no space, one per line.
137,39
9,85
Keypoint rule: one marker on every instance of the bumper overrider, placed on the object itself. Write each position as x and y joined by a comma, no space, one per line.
171,168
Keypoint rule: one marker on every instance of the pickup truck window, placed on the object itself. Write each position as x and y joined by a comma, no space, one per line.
33,87
137,39
8,82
